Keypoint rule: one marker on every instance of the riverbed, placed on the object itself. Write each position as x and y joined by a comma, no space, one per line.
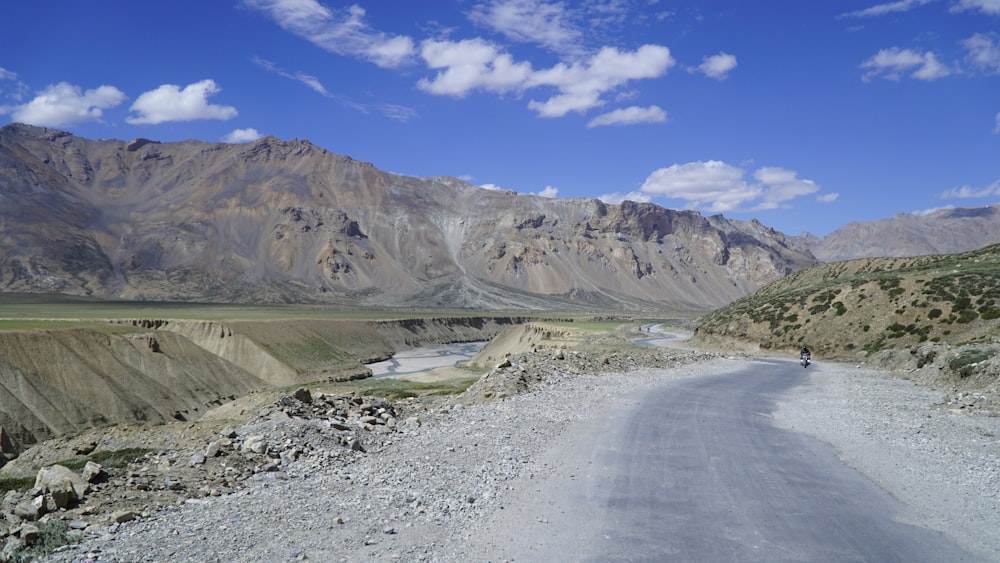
419,360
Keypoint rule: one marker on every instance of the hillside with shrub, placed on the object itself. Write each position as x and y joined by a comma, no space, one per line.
935,309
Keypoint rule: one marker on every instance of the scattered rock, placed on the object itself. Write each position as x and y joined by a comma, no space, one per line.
31,510
303,394
255,444
121,516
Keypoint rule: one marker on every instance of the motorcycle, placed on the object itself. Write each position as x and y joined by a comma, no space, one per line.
805,360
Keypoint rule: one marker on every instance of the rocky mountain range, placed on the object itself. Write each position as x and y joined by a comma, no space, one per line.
944,231
281,221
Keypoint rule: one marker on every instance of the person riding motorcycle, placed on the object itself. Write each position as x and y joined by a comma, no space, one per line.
805,356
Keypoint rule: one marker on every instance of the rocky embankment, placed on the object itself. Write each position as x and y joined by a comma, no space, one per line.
63,381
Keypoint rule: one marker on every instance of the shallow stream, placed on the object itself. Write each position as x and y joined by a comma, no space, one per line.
418,360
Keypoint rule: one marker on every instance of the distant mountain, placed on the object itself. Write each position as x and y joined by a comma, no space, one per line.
286,221
945,231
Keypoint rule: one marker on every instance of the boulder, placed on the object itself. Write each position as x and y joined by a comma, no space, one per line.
32,510
256,444
93,472
213,449
52,477
303,394
30,534
61,494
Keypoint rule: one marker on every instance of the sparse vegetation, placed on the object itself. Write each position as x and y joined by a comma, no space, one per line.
109,459
872,303
52,534
394,389
15,484
965,361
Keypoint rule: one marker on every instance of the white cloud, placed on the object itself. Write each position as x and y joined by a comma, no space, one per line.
617,197
828,198
997,128
396,112
581,85
932,210
967,192
476,64
887,8
893,62
171,103
465,66
983,53
629,116
309,80
342,32
531,21
469,65
242,136
717,66
712,185
66,104
715,186
16,90
549,191
392,111
985,6
781,185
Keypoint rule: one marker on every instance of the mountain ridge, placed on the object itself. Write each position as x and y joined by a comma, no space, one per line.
285,221
943,231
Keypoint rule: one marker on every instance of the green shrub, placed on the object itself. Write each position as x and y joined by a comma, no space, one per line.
965,362
817,309
8,484
989,312
53,534
875,346
966,317
934,313
109,459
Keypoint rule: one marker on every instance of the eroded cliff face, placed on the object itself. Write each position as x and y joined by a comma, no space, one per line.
56,382
280,221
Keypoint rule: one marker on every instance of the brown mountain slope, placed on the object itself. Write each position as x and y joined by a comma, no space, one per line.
277,221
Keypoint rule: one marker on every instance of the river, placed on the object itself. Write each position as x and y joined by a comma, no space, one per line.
418,360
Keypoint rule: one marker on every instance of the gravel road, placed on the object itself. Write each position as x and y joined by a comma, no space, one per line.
432,492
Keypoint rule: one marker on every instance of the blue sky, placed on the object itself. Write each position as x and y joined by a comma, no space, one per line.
804,114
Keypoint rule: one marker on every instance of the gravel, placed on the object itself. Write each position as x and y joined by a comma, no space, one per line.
941,461
424,492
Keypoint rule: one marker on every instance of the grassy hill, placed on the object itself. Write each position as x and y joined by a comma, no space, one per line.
859,308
